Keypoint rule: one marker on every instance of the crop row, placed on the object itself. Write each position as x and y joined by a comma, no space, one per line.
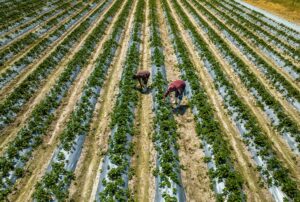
282,85
278,80
281,183
6,4
272,108
11,37
278,29
167,173
19,6
60,171
250,27
41,47
113,184
225,180
31,38
14,24
21,94
30,136
20,9
262,43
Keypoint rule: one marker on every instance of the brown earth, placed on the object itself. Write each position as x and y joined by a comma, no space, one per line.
28,31
280,145
287,9
143,160
9,133
42,155
243,160
194,173
27,49
96,144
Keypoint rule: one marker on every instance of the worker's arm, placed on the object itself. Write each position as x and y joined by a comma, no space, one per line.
167,92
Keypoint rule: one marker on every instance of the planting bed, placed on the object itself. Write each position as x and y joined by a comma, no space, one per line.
75,126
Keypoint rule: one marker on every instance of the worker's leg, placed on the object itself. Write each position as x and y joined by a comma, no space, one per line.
141,83
145,85
179,100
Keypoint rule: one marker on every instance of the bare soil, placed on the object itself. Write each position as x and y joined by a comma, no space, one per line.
26,50
43,154
96,144
292,112
143,181
30,30
194,173
8,89
261,53
287,9
11,130
280,144
243,160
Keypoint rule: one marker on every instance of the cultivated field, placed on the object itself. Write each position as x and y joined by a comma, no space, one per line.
75,127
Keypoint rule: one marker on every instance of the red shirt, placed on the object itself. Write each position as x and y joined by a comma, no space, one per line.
177,86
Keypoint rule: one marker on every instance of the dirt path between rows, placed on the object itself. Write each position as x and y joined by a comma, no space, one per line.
143,160
96,143
282,149
243,160
284,54
27,49
279,70
8,89
10,131
272,90
31,30
52,139
281,8
194,173
15,21
258,51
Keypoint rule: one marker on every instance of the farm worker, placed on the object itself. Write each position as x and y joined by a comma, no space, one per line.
143,77
179,87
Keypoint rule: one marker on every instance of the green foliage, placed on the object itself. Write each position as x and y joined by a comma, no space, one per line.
208,128
122,119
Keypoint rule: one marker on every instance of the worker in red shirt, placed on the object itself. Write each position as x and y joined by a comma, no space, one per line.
178,86
143,77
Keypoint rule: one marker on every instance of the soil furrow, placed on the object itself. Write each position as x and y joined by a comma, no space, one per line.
15,21
260,53
10,132
226,11
8,89
244,162
194,175
30,30
280,145
272,90
97,141
27,49
143,183
51,140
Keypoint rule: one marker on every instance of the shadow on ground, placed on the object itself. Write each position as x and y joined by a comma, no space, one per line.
148,91
180,110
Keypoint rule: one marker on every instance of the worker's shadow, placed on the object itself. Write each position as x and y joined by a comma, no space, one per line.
146,92
180,110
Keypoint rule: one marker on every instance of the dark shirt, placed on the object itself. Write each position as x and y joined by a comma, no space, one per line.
144,74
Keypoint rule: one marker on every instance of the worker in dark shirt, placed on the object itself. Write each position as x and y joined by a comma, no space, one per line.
178,87
143,77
